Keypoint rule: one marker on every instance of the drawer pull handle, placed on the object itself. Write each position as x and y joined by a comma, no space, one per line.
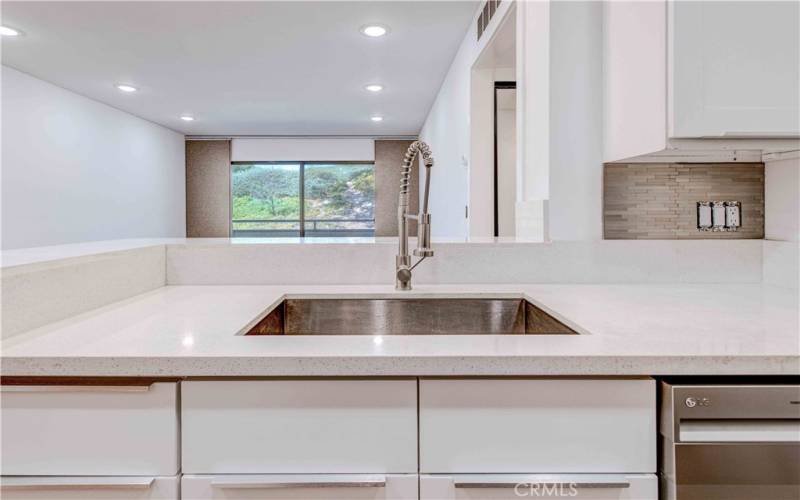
757,134
74,388
561,484
283,481
76,483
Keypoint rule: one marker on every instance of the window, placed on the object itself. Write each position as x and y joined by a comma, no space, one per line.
303,199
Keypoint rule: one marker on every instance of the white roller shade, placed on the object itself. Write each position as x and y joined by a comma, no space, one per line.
291,149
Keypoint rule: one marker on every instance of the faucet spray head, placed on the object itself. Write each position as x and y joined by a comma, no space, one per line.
424,236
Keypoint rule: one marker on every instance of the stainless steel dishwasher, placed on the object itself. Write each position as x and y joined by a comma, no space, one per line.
730,442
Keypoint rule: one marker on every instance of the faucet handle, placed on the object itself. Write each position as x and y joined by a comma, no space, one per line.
404,274
424,236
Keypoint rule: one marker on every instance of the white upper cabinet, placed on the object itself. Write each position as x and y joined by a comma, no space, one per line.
675,72
635,78
734,69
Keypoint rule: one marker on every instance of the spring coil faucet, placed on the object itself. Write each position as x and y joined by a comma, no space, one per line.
403,265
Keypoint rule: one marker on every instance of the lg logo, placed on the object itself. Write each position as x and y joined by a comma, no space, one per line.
692,402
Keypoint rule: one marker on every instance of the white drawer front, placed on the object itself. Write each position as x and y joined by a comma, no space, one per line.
299,426
300,487
88,488
90,431
517,486
537,426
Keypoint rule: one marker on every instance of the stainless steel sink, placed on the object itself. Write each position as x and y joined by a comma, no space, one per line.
417,316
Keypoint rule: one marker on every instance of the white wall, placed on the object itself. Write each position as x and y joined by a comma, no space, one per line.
560,97
782,199
447,130
560,125
75,170
302,149
481,153
576,121
533,119
782,221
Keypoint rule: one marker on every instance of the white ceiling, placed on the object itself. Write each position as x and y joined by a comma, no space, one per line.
246,68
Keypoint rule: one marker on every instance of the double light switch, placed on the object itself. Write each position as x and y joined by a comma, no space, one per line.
719,215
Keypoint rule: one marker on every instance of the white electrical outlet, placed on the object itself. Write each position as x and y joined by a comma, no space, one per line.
733,215
719,215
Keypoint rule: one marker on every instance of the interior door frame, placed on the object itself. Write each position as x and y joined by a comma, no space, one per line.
499,85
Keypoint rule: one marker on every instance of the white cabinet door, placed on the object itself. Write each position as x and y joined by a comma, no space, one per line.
299,426
516,486
300,487
89,488
735,68
543,426
90,430
634,78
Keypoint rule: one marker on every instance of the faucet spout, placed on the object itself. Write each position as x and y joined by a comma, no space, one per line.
403,265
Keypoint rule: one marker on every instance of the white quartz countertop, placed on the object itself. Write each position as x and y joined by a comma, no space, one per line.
35,255
626,330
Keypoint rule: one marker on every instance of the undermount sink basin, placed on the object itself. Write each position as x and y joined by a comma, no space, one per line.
413,316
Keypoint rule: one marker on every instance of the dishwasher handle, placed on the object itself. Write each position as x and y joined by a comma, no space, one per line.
739,431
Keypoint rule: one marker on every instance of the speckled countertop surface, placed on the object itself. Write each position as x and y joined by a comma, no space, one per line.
627,330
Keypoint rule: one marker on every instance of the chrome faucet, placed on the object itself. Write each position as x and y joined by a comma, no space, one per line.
403,265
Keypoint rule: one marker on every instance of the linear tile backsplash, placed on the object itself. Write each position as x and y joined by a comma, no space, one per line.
659,201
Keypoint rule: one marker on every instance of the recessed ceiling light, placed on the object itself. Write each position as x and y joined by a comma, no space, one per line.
374,87
126,88
187,118
376,118
374,30
6,31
